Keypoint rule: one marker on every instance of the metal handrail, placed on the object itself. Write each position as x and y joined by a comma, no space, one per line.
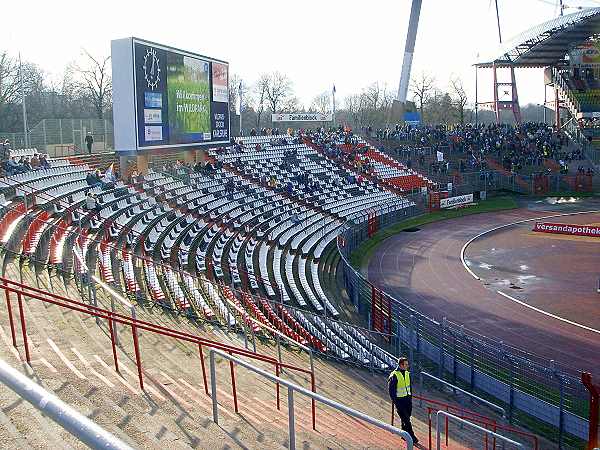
473,396
10,286
88,432
438,434
291,389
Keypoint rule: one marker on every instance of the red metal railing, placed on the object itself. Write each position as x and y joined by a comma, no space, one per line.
471,416
594,390
42,220
22,290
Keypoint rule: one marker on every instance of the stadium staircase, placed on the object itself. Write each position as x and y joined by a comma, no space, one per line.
53,243
95,160
71,356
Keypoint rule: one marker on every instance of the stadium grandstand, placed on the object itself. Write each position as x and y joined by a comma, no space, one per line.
197,290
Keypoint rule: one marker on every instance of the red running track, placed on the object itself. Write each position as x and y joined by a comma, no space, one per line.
424,269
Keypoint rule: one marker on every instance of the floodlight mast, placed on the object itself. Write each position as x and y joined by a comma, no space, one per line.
409,48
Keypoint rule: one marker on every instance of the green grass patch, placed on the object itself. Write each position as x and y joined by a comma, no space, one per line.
364,252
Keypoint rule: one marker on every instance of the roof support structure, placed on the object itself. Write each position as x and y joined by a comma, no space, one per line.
409,48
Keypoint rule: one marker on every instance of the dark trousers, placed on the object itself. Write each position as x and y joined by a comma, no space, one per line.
404,410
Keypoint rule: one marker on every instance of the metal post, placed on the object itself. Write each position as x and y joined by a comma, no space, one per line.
410,339
113,341
277,386
10,319
511,381
398,344
213,388
442,351
203,368
114,329
23,328
136,348
233,388
476,101
93,298
561,410
291,419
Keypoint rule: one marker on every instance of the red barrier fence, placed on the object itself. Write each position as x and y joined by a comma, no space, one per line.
567,228
471,416
594,391
11,287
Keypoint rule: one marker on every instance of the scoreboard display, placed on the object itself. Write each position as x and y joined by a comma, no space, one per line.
164,97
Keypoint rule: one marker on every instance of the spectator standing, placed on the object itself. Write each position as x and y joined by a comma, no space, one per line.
5,150
399,388
89,140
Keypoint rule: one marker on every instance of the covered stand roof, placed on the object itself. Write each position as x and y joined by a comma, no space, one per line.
547,43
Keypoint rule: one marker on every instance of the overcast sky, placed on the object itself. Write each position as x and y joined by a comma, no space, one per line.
316,43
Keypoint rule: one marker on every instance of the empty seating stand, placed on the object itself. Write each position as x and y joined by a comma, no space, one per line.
245,257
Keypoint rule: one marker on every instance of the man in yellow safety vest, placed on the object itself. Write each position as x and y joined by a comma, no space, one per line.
400,392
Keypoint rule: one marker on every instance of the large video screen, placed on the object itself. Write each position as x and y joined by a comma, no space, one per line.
181,99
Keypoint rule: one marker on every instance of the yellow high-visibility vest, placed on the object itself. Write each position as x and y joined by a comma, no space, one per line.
402,383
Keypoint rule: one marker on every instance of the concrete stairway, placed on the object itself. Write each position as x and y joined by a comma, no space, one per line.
71,356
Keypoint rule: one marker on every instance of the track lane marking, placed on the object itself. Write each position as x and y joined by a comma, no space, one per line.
541,311
464,247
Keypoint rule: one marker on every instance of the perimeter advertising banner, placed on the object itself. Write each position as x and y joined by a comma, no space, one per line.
175,98
302,117
453,202
585,54
566,228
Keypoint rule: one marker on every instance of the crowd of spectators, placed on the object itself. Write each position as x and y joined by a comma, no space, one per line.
412,134
13,165
518,149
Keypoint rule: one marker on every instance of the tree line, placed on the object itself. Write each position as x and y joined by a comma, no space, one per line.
84,91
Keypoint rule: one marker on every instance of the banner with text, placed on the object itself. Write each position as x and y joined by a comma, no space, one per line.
460,200
567,228
302,117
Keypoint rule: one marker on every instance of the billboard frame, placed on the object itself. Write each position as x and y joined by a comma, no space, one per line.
131,106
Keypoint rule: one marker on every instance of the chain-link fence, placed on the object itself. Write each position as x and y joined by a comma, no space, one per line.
536,393
65,137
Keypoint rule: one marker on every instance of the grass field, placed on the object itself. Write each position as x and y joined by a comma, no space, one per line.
362,254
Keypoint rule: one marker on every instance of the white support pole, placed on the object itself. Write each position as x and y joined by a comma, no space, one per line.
409,48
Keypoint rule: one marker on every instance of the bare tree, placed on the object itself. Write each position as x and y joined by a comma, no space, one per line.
353,108
321,103
290,104
95,82
234,92
279,88
10,89
460,97
261,88
421,89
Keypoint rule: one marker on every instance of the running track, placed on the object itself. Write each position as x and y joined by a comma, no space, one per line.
424,269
